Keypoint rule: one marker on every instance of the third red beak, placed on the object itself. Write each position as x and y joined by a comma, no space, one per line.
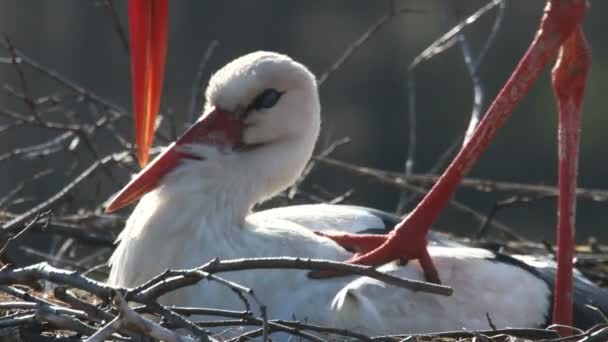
148,24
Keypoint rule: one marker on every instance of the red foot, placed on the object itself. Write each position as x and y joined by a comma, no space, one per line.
399,244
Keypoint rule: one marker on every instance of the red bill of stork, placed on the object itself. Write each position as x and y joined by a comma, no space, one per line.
257,132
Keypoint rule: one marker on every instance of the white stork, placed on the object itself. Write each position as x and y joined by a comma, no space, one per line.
258,131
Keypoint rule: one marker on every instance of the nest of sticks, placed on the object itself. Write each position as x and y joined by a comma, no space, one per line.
59,294
42,302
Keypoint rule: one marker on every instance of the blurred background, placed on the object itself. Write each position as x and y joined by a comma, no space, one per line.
366,99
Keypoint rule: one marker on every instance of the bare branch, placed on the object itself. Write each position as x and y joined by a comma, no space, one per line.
51,201
197,87
484,185
390,13
109,4
439,46
129,319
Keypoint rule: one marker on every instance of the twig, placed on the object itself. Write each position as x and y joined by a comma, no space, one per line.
22,231
117,26
44,271
509,202
51,201
197,86
439,46
53,74
39,150
292,191
217,265
390,13
23,82
46,314
129,319
93,311
532,334
484,185
473,68
399,181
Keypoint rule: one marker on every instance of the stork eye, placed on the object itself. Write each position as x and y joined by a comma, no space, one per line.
267,99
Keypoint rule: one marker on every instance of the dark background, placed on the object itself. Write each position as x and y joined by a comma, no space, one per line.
366,99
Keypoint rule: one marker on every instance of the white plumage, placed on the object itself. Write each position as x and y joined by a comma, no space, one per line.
201,210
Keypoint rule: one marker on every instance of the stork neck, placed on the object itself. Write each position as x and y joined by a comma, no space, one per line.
208,189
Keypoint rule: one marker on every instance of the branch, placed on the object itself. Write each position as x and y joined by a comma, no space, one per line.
400,181
219,266
51,201
196,95
390,13
130,320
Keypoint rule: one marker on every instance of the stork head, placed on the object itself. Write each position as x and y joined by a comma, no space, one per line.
261,118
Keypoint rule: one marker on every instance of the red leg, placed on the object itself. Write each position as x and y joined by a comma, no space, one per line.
568,79
408,241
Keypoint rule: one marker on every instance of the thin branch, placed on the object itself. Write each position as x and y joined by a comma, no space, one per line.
22,231
109,4
53,74
51,201
293,190
401,182
129,319
196,95
390,13
484,185
439,46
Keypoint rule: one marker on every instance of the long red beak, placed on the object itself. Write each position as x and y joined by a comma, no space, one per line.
216,127
148,24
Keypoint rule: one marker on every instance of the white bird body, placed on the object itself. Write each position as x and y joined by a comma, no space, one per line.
202,210
359,303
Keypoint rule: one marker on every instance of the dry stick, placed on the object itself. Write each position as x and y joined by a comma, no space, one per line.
172,279
23,83
5,201
532,334
53,74
391,12
328,330
44,149
485,185
20,319
197,86
273,327
93,311
51,201
130,320
350,50
401,182
22,231
47,314
188,311
182,278
440,45
44,271
218,266
507,203
80,131
117,26
293,190
473,68
177,319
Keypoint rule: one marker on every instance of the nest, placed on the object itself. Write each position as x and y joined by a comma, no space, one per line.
42,302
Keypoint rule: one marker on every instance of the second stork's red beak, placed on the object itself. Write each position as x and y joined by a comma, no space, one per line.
148,25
